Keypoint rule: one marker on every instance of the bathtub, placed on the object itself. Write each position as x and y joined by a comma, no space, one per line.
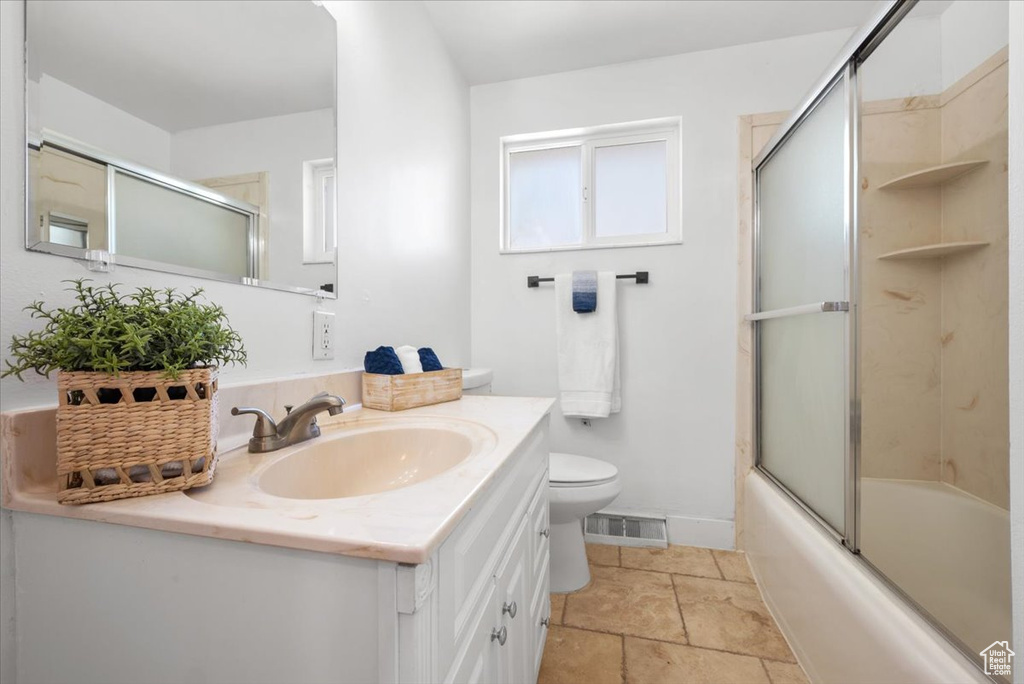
844,624
944,538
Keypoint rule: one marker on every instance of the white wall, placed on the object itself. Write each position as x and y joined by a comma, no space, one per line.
403,150
67,110
277,145
403,185
1016,314
673,441
972,30
907,63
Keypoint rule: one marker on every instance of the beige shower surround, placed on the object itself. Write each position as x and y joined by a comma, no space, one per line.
933,331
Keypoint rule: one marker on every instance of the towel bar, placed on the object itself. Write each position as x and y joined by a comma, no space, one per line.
641,277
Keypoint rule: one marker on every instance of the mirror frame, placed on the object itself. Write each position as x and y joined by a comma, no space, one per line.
115,164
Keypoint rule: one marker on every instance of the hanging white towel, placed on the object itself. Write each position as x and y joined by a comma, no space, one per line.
410,359
588,350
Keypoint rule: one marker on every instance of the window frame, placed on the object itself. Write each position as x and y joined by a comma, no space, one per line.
588,140
317,173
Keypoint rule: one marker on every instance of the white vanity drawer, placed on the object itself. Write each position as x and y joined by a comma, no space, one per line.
469,557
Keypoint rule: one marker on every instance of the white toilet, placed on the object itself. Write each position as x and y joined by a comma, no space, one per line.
578,486
476,380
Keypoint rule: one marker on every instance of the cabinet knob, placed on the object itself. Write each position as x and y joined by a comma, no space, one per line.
511,609
499,635
545,532
546,622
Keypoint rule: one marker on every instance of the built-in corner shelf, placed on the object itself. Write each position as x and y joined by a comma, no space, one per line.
935,251
933,175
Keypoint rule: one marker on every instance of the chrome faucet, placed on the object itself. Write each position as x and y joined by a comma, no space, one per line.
298,426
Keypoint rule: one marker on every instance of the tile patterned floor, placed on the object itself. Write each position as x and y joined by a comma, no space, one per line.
666,616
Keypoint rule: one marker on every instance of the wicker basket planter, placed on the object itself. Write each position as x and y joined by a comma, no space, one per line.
136,434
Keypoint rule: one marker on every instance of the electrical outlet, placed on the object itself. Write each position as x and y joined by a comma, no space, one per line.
323,335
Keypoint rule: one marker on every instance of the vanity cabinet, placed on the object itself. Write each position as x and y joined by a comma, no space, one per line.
493,600
503,640
164,606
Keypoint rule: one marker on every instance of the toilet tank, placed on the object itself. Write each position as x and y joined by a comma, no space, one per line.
476,381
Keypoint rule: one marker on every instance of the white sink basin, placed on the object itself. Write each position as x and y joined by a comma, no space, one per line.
359,457
365,463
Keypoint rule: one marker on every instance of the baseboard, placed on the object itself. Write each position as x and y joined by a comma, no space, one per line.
706,532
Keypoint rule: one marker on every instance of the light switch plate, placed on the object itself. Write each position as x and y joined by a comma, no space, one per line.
323,336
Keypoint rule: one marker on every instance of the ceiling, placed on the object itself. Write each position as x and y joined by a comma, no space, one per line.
499,40
182,64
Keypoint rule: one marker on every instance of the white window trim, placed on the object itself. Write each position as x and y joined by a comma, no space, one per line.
314,223
650,130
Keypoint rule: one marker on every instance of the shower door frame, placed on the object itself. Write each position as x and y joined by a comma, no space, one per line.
841,72
845,79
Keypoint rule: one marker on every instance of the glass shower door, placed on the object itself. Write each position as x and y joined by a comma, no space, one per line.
801,300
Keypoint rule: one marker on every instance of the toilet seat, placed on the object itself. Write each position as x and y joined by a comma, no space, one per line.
571,470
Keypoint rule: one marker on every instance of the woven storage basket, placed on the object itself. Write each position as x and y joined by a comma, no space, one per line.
400,392
136,434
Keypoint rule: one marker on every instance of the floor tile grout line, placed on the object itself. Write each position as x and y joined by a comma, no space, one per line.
622,671
676,643
679,607
717,566
766,672
675,572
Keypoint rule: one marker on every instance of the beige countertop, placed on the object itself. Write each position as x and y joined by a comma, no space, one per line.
403,525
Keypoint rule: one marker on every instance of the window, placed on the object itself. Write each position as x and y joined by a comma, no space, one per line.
320,233
606,186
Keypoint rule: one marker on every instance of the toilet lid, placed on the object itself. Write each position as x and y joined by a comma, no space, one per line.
570,469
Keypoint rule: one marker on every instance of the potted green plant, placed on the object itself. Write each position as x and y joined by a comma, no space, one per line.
136,386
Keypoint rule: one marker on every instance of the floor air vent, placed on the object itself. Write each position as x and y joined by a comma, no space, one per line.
625,530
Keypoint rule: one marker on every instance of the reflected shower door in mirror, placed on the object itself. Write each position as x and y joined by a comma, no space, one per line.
934,456
187,137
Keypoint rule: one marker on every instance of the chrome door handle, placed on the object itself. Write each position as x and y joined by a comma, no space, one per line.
545,532
546,622
499,635
511,609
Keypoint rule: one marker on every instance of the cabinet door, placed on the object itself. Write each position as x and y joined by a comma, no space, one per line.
540,605
514,578
478,664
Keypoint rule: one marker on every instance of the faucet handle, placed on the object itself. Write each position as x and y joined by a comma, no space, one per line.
265,425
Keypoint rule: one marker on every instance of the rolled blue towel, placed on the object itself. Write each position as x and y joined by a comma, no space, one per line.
584,291
429,360
383,361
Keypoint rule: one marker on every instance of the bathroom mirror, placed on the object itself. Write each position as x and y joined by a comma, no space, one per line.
183,136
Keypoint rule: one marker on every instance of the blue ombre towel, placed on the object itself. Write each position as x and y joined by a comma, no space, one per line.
584,291
382,361
429,360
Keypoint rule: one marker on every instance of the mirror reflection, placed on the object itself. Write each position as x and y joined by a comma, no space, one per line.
136,160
